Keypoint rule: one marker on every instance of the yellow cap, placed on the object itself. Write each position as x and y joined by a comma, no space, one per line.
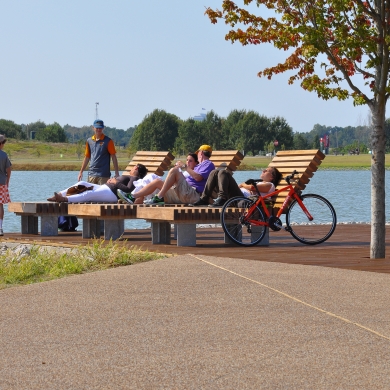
206,148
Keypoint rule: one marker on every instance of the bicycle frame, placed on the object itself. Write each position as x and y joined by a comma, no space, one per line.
260,201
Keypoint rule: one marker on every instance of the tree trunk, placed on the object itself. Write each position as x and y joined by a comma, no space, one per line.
378,216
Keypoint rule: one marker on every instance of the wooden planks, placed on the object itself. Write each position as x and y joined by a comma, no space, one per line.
155,162
306,162
227,159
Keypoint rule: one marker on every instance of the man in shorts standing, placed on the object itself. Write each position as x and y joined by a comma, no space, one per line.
99,150
179,189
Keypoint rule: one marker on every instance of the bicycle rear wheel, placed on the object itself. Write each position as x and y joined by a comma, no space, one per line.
236,229
320,228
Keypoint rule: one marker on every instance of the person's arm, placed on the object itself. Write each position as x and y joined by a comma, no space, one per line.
195,175
83,166
262,186
8,170
115,163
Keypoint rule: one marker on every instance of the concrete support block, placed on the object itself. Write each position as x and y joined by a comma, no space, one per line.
113,228
91,228
186,234
49,225
161,233
29,224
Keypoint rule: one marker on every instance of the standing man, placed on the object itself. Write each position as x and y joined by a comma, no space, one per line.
99,149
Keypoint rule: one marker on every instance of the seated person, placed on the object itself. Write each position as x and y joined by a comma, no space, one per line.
102,193
223,183
151,183
180,189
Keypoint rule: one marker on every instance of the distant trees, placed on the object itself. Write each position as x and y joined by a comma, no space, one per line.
11,130
51,133
158,131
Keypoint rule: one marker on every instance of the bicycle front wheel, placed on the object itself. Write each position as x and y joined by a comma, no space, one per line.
237,226
320,228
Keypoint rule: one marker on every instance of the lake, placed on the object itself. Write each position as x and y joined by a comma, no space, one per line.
348,191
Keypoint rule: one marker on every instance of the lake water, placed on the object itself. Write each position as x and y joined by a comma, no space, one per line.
348,191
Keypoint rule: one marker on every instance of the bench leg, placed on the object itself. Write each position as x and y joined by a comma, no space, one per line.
49,225
161,233
114,228
263,242
29,224
91,228
186,234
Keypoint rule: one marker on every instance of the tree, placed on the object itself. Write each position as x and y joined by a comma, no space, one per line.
351,40
157,131
51,133
280,130
11,130
229,128
190,136
300,142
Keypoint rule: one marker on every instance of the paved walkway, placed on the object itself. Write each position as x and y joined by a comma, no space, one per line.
199,322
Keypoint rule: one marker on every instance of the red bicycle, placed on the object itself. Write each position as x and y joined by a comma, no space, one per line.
310,219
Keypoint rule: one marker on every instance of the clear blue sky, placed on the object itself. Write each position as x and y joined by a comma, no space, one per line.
58,58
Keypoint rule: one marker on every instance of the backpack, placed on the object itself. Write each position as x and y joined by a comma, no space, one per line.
67,224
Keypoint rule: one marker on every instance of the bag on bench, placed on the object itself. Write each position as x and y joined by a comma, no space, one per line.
68,224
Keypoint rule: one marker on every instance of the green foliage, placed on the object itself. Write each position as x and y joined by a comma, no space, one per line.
158,131
51,133
43,264
11,130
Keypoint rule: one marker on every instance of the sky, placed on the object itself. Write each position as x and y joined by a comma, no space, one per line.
60,58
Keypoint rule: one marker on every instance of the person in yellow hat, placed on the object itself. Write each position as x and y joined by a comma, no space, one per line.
180,189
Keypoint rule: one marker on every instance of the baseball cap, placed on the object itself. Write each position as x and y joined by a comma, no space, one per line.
98,124
206,148
2,138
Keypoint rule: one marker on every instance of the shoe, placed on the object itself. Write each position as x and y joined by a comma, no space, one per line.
155,201
1,232
200,202
127,197
59,198
52,199
219,202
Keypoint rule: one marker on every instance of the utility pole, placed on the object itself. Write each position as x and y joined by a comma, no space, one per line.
96,104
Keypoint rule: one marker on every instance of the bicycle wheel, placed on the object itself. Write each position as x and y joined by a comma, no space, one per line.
236,229
320,228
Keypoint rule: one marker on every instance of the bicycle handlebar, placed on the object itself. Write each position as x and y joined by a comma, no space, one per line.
289,177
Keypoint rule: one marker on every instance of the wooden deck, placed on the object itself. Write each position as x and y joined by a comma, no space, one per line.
348,248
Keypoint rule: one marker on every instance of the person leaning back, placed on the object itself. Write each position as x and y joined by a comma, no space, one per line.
99,150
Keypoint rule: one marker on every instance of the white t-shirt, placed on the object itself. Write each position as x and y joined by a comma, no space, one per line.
248,193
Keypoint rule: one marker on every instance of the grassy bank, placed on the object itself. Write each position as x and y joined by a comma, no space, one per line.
38,156
43,264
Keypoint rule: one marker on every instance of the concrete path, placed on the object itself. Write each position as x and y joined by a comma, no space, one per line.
197,322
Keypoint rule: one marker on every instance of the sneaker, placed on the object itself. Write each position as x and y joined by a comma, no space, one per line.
127,197
219,202
200,202
155,201
1,232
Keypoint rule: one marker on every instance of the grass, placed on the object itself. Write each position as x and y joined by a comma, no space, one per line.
40,156
42,264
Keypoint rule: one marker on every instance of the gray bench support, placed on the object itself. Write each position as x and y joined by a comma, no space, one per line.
29,224
161,233
49,225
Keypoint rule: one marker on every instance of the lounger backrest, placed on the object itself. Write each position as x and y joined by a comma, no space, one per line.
227,159
306,162
156,162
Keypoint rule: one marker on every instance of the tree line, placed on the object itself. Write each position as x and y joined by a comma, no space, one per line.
244,130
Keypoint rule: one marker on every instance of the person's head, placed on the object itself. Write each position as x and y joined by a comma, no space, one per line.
3,140
204,152
139,170
98,126
271,175
192,160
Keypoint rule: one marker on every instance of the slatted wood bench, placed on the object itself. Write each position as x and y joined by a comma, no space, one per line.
113,214
306,162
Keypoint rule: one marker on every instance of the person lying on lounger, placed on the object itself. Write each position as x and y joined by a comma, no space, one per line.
100,193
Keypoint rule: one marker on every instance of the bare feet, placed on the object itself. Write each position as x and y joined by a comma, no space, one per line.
59,198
